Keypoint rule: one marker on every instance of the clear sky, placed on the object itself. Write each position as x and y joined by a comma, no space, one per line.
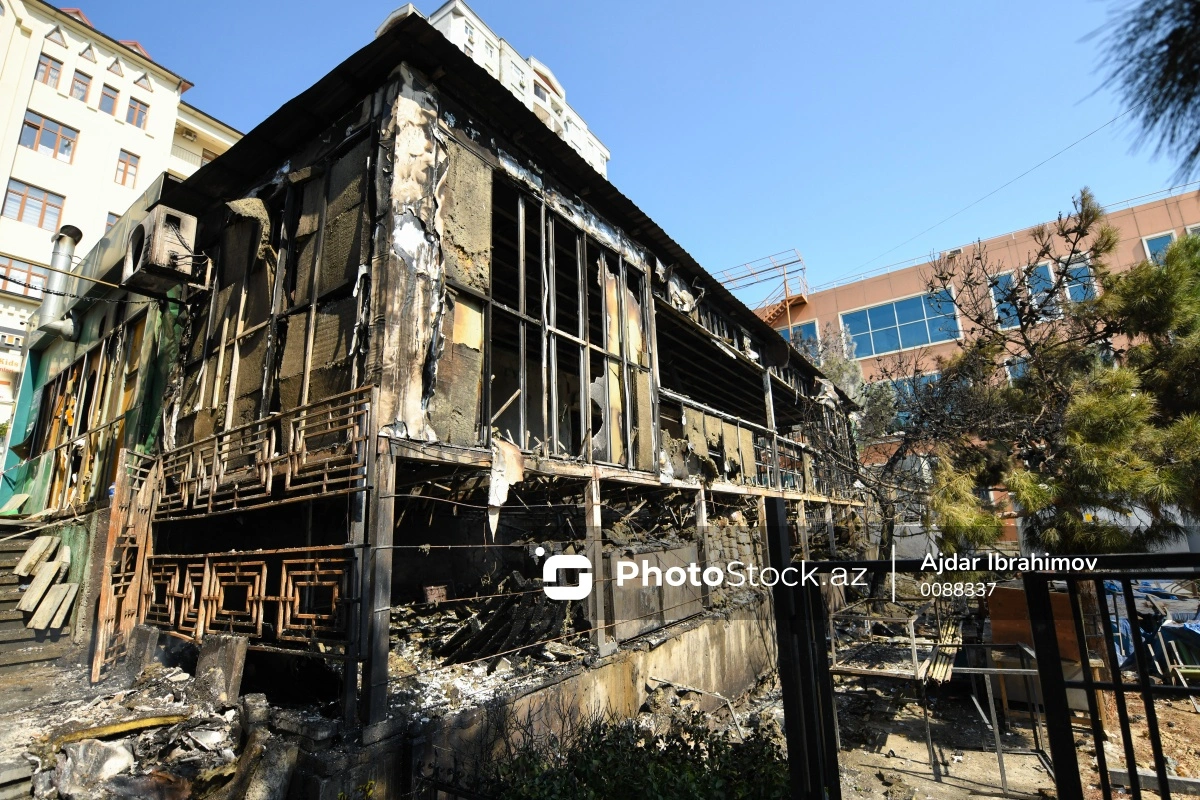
840,129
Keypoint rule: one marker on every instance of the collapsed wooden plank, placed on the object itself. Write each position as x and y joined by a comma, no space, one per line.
114,729
47,575
60,616
48,608
13,505
41,548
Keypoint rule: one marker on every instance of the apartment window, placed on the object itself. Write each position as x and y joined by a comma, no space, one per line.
206,156
144,82
112,220
48,70
89,53
1079,283
1017,367
915,321
907,395
1193,230
137,113
56,35
48,137
81,86
115,68
804,338
1156,246
489,50
803,331
127,164
539,92
470,31
108,99
19,277
35,206
1005,297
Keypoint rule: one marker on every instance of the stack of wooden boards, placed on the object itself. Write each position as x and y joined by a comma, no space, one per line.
46,599
941,665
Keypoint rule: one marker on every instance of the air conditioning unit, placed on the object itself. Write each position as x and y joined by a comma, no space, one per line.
159,254
952,253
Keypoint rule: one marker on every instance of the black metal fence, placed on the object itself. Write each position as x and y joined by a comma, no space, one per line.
1100,601
1143,666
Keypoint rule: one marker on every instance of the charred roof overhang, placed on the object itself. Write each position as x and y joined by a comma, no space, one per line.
413,40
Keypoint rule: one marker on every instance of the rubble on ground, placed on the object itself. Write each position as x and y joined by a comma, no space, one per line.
448,657
167,736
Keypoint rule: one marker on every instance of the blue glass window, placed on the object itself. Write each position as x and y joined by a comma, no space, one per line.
912,322
1156,246
803,337
1079,283
1041,290
905,390
805,331
1005,298
1017,368
856,322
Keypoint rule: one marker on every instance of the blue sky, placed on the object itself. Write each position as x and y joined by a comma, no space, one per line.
745,129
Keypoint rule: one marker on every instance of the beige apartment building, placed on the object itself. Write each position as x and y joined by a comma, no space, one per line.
892,313
528,79
87,123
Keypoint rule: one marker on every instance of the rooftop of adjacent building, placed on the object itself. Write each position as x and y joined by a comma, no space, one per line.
129,48
554,90
1130,208
1147,199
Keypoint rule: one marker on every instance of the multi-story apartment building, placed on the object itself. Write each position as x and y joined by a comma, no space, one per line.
87,122
892,313
528,79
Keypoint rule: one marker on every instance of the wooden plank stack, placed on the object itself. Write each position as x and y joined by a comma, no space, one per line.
46,600
942,664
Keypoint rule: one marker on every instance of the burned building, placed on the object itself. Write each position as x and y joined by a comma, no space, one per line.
397,344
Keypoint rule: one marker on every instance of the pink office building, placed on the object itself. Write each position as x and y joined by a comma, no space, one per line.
891,312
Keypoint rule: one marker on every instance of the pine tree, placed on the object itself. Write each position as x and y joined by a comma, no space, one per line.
1073,406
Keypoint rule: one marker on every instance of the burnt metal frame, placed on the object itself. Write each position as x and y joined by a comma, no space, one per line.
990,720
1123,570
810,712
551,225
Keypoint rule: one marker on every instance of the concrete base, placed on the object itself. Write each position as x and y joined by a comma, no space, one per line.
719,655
219,667
140,651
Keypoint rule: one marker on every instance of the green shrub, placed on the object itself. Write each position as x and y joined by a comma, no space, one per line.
606,760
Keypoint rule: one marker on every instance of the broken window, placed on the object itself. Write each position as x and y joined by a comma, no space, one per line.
79,415
517,392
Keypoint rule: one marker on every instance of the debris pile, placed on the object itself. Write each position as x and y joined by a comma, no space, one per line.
167,737
446,657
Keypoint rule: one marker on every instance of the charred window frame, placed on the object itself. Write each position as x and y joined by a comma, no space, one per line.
282,320
98,388
568,366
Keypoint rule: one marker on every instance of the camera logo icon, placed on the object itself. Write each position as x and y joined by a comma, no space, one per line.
550,571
